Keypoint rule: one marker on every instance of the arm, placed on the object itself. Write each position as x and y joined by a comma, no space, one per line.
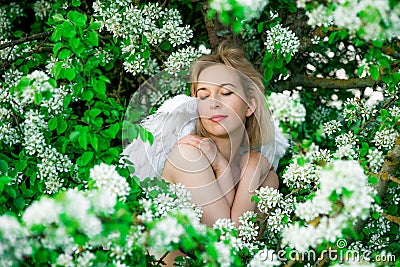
189,166
254,167
219,165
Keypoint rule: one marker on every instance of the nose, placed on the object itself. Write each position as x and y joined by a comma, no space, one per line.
214,103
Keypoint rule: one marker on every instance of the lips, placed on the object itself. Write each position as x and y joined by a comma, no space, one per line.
217,118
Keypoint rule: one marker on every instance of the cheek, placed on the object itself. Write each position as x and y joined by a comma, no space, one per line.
201,108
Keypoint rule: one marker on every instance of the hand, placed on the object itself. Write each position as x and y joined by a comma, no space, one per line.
209,149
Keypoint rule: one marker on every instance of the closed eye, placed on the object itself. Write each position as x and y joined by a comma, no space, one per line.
227,93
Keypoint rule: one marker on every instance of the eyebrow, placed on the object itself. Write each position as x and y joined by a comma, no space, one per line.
221,85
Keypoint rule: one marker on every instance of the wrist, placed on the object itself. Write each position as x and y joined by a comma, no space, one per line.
220,164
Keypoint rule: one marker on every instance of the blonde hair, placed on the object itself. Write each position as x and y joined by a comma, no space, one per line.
258,125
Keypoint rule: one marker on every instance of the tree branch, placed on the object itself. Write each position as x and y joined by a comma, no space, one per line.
324,83
26,39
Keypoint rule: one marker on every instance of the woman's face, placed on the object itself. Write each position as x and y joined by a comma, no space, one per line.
222,103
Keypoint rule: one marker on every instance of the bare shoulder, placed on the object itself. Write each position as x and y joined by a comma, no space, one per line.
271,180
184,159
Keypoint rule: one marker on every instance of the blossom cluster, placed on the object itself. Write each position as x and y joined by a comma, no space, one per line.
370,19
8,13
158,203
304,176
140,28
332,127
42,8
347,182
286,109
33,100
354,109
107,178
84,209
281,40
385,138
279,209
252,8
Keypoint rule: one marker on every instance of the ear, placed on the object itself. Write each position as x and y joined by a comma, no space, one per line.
252,106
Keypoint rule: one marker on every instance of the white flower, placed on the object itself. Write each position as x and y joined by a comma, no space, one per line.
248,230
331,127
42,8
65,260
268,198
346,139
84,260
102,201
285,109
346,151
164,233
385,138
180,59
298,176
375,159
281,40
107,178
43,212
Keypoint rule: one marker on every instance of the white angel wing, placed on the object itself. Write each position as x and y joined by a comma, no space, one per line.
276,151
175,119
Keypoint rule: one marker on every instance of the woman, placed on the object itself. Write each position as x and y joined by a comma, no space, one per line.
232,119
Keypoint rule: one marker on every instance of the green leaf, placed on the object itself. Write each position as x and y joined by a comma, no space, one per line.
332,37
94,112
21,165
268,74
165,45
74,43
58,18
94,141
288,57
56,47
73,136
92,38
11,192
57,33
260,27
61,126
70,74
4,181
3,166
64,54
146,54
76,2
38,98
99,86
94,26
300,161
52,123
19,203
374,71
87,95
68,30
377,43
83,140
85,158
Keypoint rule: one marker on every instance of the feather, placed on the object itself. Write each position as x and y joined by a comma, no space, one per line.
174,119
